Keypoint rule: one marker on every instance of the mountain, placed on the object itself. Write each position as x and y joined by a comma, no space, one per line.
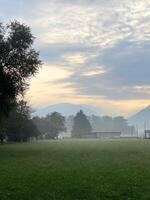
142,118
66,109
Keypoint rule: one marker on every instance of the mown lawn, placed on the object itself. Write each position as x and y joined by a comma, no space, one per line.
75,170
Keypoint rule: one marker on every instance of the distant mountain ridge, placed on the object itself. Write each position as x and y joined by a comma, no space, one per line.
66,109
140,118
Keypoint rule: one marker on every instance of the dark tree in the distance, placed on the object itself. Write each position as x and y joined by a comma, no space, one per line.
18,62
81,126
54,123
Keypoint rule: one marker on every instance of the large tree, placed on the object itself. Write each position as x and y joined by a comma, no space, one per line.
18,62
81,126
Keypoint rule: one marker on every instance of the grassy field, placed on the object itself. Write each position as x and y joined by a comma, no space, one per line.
75,170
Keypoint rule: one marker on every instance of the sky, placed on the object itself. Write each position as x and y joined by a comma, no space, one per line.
94,52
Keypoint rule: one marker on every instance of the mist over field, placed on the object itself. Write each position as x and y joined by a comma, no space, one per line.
74,100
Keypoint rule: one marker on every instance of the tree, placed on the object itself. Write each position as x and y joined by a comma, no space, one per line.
81,126
40,124
55,123
20,126
18,62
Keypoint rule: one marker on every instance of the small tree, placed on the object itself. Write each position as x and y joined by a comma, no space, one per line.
81,126
18,62
55,123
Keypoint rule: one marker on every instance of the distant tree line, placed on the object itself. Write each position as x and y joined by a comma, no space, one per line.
20,127
98,124
80,126
111,124
51,125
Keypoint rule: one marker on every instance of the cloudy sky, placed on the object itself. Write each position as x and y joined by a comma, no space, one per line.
94,51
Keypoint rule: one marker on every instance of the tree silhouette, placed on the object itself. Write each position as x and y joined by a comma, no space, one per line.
81,126
54,123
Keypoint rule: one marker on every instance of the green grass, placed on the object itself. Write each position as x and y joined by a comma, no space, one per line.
75,170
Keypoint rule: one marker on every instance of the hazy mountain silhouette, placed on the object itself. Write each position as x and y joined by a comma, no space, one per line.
140,118
66,109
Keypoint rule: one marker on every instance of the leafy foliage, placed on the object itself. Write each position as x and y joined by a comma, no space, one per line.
18,62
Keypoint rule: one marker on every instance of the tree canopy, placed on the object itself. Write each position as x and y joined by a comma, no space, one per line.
51,125
18,62
81,126
55,124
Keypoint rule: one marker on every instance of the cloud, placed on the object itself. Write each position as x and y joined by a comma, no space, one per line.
99,48
95,72
125,65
